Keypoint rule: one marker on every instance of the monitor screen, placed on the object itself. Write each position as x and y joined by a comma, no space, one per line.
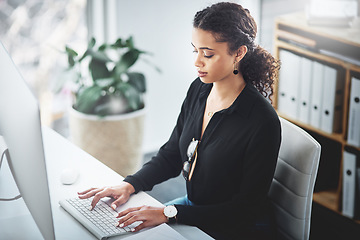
20,128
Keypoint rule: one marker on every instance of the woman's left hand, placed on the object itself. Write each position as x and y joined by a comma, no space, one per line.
150,217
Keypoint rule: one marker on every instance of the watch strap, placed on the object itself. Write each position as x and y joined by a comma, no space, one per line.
172,220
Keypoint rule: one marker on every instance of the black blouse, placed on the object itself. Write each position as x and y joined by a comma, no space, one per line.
235,165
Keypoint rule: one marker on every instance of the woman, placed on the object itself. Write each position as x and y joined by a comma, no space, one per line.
226,139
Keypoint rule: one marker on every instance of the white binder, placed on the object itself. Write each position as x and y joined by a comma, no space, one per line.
289,84
316,94
305,86
354,113
349,184
331,101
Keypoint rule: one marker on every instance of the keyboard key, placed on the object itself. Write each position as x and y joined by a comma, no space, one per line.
102,216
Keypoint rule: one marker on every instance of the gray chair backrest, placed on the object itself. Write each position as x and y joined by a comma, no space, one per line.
291,191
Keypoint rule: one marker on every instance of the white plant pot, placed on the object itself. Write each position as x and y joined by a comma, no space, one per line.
114,140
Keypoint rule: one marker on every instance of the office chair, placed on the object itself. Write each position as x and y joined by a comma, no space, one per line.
291,190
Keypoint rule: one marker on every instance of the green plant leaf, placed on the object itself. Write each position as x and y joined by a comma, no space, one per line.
126,61
130,42
137,80
91,43
70,51
118,44
71,56
86,53
99,56
103,47
131,95
87,99
98,69
71,61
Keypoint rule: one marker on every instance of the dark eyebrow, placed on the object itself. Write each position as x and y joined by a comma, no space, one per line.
203,48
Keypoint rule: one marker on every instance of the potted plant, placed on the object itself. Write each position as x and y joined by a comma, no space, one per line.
107,116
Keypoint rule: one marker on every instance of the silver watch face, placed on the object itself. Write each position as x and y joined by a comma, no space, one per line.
170,211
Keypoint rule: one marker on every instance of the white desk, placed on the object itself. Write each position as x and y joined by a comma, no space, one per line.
16,221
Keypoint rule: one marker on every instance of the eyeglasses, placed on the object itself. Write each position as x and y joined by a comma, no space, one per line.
189,165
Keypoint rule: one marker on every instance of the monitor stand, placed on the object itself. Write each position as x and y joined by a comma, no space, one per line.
4,152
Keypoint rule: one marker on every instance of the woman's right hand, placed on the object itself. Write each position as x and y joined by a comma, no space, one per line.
120,193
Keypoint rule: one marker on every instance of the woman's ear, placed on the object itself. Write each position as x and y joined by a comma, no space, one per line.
240,53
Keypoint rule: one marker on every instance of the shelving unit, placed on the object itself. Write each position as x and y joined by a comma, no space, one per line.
339,48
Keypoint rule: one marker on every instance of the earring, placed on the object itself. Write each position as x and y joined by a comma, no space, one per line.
235,70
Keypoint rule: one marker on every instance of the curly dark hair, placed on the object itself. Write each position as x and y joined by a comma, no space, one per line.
231,23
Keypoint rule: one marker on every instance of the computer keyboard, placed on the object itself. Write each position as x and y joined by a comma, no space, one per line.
101,221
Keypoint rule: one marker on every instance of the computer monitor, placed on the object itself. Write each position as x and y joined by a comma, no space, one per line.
21,129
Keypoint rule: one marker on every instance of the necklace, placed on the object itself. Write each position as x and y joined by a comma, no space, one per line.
210,114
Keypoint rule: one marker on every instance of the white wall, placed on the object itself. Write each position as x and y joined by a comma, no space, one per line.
270,9
164,28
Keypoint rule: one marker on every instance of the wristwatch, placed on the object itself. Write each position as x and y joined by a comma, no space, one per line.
170,212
